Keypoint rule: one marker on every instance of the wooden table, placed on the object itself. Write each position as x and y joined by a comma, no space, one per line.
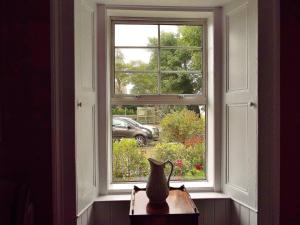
178,210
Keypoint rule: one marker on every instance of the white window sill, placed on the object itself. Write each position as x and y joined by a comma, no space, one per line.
194,195
195,186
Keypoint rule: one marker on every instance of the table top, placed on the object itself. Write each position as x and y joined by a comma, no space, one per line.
178,202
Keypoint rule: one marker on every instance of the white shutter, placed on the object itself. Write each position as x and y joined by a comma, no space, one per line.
86,104
240,102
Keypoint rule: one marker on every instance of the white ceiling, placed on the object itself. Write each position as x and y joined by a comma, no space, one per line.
186,3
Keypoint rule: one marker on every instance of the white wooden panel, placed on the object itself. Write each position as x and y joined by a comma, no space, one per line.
84,218
237,77
85,154
244,215
237,146
78,221
253,218
86,46
86,105
239,157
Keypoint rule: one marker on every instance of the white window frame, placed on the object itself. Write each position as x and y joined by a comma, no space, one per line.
208,98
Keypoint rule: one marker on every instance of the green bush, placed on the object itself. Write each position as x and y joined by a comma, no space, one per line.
178,126
123,111
188,160
129,162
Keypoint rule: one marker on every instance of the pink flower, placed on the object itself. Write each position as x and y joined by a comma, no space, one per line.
179,163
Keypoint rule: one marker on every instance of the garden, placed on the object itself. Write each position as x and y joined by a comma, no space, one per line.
182,140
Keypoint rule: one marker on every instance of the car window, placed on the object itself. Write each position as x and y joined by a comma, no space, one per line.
132,122
119,123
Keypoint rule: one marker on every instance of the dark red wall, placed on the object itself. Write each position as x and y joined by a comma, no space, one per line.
290,113
25,149
25,154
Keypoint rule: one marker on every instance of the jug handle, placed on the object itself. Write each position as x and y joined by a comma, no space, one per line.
168,161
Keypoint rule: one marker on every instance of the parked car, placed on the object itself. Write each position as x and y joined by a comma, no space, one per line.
123,128
154,130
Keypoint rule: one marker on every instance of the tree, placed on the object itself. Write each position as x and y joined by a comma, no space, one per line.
183,60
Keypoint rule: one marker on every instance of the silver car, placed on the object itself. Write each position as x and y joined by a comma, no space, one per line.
122,128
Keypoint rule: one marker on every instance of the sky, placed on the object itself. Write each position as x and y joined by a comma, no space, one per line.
137,35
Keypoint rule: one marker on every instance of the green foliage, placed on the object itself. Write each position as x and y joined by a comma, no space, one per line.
190,35
123,111
182,60
128,160
178,126
188,160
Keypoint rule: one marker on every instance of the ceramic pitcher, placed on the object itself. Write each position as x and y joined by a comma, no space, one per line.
157,188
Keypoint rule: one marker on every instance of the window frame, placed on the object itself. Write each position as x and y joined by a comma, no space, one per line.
213,98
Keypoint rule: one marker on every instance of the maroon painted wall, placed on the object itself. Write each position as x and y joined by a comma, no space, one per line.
25,149
25,146
290,113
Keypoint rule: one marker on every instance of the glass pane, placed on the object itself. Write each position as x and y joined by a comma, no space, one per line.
180,59
135,59
162,132
181,83
136,35
135,83
181,35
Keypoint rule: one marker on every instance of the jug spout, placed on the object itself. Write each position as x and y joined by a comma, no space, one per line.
155,162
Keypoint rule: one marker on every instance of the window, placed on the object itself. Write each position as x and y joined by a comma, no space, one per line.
158,97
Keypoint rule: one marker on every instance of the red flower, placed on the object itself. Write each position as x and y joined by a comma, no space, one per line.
198,166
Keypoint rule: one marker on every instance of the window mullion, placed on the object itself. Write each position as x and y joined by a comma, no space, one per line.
158,61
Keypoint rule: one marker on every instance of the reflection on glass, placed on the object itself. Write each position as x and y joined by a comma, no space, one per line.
180,59
162,132
181,83
135,59
181,35
136,35
135,83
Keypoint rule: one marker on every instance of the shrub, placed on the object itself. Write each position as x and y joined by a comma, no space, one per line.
123,111
188,160
128,161
181,125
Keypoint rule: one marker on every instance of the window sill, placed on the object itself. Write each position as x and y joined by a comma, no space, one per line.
191,186
194,195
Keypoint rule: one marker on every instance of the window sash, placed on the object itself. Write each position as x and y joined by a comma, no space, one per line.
165,98
162,99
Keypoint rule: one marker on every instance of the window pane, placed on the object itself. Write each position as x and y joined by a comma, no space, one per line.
181,35
162,132
181,83
135,59
135,83
136,35
180,59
